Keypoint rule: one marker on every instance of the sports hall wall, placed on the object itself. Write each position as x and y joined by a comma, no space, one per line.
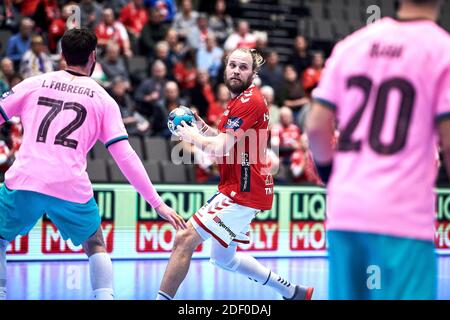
132,230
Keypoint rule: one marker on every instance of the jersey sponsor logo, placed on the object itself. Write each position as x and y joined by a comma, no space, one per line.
245,172
6,94
217,220
233,123
154,234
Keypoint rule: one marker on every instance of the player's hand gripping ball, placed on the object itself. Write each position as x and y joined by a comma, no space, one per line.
178,115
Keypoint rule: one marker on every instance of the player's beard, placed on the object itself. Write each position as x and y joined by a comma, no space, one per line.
238,88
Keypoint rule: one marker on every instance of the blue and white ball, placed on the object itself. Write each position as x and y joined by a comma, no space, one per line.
178,115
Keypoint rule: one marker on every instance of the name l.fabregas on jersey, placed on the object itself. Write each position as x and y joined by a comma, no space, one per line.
61,86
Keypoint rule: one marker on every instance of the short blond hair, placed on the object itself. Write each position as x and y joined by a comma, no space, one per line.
257,58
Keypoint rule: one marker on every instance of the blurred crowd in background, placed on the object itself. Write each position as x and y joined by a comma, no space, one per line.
154,55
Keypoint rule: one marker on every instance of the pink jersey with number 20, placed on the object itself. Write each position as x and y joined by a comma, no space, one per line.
390,85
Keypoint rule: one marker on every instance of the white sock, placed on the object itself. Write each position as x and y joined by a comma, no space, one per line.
252,268
3,247
163,296
100,269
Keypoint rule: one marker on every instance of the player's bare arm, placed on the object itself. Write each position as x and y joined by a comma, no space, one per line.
216,145
320,130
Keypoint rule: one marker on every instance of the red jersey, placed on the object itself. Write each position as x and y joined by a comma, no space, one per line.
303,168
244,174
133,17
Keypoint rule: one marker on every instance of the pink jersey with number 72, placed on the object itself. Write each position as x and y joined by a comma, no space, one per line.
390,85
63,114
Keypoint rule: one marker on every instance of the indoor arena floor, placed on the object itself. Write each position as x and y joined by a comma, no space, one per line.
140,279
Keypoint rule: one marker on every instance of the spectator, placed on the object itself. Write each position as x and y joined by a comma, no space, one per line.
169,102
176,48
154,31
58,27
7,71
19,43
216,109
209,57
91,13
286,136
197,36
242,38
202,94
35,61
167,8
151,90
27,7
262,40
302,167
16,79
111,30
274,110
134,16
172,99
9,16
45,12
220,23
271,73
133,121
4,87
113,64
185,71
311,76
185,20
162,53
292,94
301,58
115,5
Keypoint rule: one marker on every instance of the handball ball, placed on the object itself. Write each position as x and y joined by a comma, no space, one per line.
178,115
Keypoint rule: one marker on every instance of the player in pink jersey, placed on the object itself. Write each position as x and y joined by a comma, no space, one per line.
245,188
388,87
63,114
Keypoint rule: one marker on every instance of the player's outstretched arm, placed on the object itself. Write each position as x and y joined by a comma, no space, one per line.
133,169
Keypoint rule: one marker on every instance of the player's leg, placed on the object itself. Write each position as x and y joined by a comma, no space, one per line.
19,212
243,263
3,274
81,224
184,245
348,276
407,268
100,266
